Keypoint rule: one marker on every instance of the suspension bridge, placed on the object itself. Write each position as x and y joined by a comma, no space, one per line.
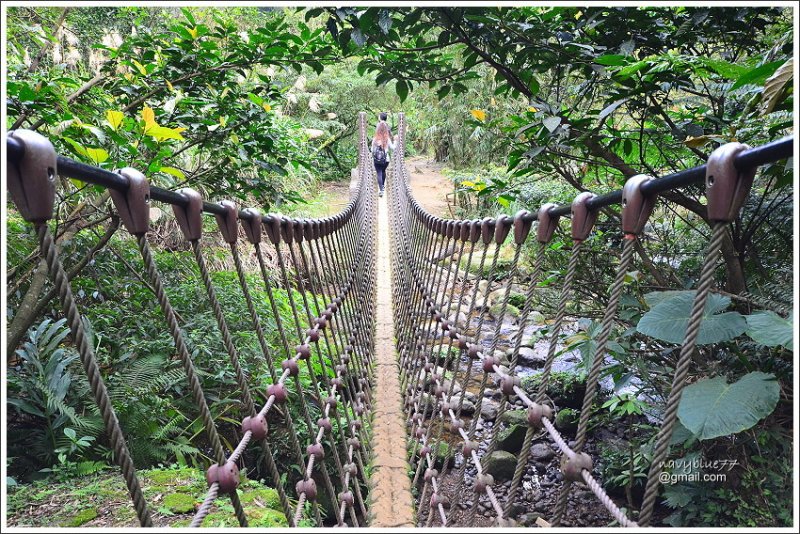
386,397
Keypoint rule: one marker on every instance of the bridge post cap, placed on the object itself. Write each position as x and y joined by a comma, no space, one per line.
572,468
501,228
522,226
474,230
190,217
463,230
227,476
487,229
32,179
257,425
251,222
291,366
347,498
547,223
272,225
582,217
311,228
508,383
287,232
636,207
453,229
537,412
133,205
726,186
227,222
299,229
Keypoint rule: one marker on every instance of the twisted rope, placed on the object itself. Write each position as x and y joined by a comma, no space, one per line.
681,372
89,362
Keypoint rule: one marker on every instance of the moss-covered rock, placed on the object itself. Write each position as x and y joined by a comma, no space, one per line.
261,496
501,465
567,420
179,503
510,439
515,417
84,516
564,387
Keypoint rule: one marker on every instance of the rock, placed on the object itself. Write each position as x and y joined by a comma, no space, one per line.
529,519
541,452
535,317
541,467
496,296
511,311
489,409
515,417
84,516
510,439
483,285
528,356
468,407
459,319
567,420
501,465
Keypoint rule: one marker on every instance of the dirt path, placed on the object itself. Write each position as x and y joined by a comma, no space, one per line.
429,185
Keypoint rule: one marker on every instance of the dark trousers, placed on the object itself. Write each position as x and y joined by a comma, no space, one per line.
380,168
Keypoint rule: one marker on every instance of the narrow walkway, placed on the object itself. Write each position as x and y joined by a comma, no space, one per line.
391,488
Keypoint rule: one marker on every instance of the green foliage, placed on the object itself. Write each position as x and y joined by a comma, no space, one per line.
712,408
41,390
770,329
669,316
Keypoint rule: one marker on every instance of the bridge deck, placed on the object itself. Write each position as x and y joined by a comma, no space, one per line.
391,488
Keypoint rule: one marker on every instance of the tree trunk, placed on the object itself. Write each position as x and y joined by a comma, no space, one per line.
735,281
26,313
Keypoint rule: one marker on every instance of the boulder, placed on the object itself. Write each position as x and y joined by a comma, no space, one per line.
501,465
489,409
567,420
535,317
541,452
510,438
515,417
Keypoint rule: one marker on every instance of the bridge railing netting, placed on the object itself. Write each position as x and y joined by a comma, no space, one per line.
331,258
435,382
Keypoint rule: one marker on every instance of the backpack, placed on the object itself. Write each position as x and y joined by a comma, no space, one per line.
379,155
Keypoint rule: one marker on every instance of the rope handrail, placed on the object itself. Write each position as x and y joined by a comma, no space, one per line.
332,257
431,293
334,260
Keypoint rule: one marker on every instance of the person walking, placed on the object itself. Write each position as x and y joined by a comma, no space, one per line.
381,143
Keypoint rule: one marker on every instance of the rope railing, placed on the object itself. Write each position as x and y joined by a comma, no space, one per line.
332,259
328,268
436,340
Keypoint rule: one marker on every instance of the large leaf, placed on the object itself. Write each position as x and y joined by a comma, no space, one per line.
757,75
551,123
773,87
770,329
610,108
669,316
712,408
